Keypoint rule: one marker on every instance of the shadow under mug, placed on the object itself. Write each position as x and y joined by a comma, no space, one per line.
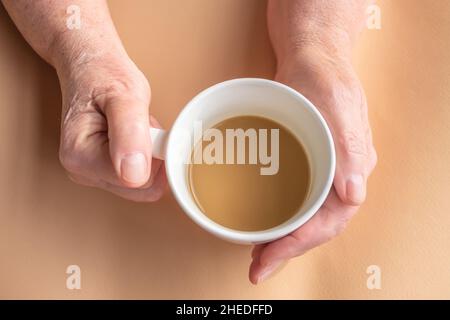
257,97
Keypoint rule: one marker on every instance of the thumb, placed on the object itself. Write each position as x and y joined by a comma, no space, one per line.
129,139
350,179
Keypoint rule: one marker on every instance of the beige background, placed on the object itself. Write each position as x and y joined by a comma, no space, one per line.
130,250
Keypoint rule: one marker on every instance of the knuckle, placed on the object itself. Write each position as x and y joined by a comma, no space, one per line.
122,84
339,96
70,155
118,86
342,225
335,223
353,143
336,230
329,235
68,160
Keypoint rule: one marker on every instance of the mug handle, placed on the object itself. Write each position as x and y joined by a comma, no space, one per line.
159,140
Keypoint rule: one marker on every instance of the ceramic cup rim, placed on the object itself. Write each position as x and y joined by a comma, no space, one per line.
252,237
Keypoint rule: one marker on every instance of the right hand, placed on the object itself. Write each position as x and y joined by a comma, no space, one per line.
105,138
332,85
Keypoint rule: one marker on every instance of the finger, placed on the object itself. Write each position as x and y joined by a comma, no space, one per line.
129,138
257,250
350,177
86,158
258,273
352,137
150,194
97,170
156,163
324,225
255,265
84,150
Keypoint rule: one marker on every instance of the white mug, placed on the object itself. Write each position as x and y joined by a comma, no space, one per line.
258,97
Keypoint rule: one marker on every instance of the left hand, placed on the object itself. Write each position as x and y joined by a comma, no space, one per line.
331,84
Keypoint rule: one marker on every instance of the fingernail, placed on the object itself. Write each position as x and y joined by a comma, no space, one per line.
268,270
356,191
134,167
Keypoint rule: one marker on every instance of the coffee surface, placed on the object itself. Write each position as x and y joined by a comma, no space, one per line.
238,196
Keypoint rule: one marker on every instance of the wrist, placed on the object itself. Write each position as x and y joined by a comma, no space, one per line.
316,68
316,47
95,67
314,57
73,50
103,73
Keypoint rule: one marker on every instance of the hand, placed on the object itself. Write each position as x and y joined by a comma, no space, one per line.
105,139
331,85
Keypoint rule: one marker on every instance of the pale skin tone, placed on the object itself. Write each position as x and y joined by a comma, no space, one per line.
105,140
313,40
